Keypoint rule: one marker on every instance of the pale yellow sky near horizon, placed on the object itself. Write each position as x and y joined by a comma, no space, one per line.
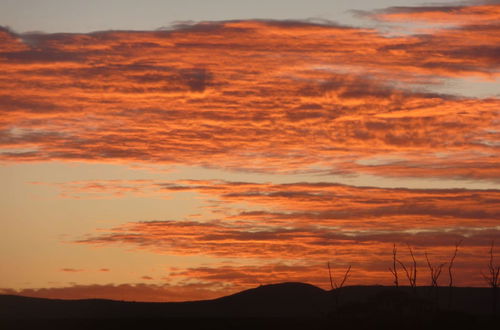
40,226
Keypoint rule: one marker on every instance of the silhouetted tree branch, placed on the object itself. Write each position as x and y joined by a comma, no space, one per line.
394,269
450,273
346,276
492,278
435,271
330,274
411,273
334,284
493,271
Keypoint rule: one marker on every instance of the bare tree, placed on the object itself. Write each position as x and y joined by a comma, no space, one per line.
492,278
333,283
394,269
338,286
435,271
346,275
330,275
450,273
411,274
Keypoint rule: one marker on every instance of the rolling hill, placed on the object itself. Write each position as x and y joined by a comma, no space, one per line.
289,305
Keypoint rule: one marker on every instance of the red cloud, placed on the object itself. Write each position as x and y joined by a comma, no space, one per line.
269,96
306,202
272,96
304,222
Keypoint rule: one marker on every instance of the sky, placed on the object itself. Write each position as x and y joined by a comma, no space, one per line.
78,16
184,150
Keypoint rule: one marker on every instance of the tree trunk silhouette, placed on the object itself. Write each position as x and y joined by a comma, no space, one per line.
492,279
411,274
435,272
336,286
394,269
450,273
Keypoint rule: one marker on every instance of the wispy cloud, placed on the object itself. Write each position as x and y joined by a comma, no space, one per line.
326,200
459,15
271,96
304,222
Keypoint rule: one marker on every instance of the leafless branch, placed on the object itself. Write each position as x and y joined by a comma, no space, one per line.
414,267
450,265
492,279
333,283
450,273
330,274
394,269
411,274
493,271
346,275
408,276
435,271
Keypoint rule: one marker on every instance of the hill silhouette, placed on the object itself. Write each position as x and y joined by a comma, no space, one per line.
284,305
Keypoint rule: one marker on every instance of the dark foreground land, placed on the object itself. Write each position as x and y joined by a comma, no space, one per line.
279,306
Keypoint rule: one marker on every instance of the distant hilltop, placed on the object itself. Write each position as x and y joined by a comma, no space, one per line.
284,301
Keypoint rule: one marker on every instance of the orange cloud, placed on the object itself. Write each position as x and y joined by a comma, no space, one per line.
312,223
271,96
274,97
308,201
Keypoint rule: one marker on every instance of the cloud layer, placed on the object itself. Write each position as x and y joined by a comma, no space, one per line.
457,15
257,95
308,224
273,97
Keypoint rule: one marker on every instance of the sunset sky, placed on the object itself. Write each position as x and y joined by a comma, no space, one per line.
179,150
